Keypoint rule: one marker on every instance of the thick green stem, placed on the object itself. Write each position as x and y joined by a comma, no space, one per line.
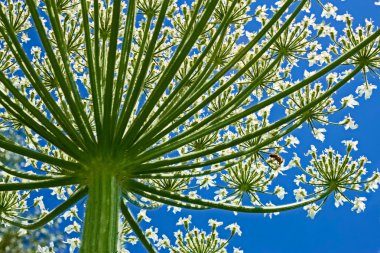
102,213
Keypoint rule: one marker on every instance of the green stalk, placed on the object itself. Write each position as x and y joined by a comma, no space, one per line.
29,71
102,212
136,228
167,104
46,183
156,169
168,74
226,206
24,118
124,61
91,68
169,201
131,84
36,113
140,78
23,174
109,82
66,86
15,148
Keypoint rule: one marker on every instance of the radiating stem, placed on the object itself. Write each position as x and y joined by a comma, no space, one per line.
226,206
135,227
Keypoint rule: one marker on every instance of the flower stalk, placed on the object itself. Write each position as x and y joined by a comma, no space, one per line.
102,212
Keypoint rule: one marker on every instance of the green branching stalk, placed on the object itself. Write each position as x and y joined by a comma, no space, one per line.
135,226
172,68
47,183
23,175
140,78
229,207
31,74
66,82
8,145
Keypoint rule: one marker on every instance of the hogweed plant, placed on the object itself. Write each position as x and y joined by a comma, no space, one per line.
148,103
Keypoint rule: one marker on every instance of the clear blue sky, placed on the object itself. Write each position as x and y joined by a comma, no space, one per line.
334,230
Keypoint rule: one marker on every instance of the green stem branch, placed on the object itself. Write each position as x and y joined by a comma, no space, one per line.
136,228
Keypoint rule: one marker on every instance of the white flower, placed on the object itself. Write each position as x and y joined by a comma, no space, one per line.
292,141
339,200
142,216
184,221
311,151
349,123
329,10
237,250
374,182
359,205
59,192
151,233
300,194
46,249
175,209
280,192
350,144
74,243
39,201
75,227
300,179
214,223
312,210
24,37
349,101
372,186
345,17
36,51
206,181
318,134
221,194
366,90
294,162
73,212
332,78
22,232
193,195
163,242
234,228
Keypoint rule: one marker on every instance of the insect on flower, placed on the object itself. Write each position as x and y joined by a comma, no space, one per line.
278,158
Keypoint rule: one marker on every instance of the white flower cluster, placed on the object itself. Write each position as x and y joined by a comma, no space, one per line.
341,175
196,240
